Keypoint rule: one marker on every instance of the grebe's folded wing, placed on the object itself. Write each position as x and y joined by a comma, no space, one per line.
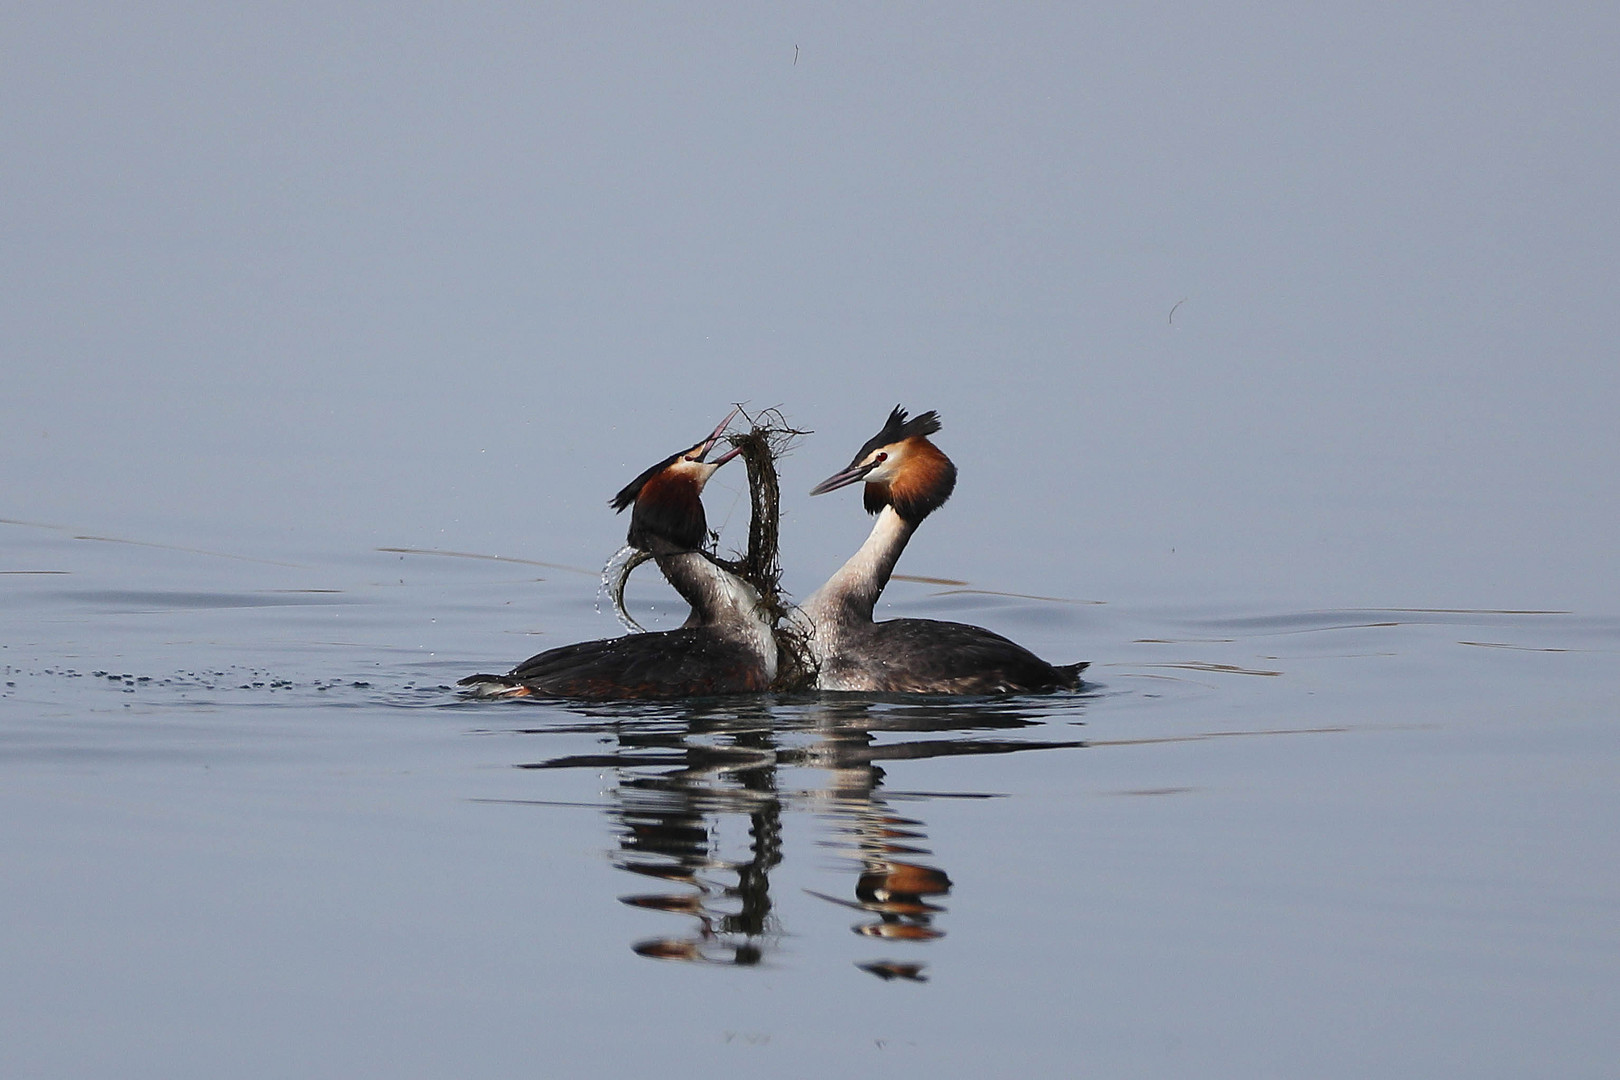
694,662
923,656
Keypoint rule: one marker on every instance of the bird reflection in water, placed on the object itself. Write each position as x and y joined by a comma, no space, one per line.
679,825
700,797
894,884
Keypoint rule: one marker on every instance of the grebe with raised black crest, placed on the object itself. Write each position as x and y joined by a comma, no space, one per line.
907,478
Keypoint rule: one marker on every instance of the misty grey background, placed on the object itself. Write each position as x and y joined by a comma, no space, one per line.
289,277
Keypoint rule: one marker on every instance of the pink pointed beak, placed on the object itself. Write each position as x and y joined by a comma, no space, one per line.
708,444
851,475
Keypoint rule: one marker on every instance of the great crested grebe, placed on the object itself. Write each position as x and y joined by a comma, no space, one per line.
725,647
907,478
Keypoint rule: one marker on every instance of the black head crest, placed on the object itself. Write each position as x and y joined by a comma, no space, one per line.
631,491
898,429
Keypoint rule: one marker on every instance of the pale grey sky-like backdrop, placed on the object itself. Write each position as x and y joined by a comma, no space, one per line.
286,279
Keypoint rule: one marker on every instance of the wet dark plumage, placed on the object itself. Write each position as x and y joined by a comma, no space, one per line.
926,656
690,662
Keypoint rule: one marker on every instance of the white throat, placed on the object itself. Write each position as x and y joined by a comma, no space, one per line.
851,594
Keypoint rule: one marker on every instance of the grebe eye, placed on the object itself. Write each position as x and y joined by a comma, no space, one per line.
880,459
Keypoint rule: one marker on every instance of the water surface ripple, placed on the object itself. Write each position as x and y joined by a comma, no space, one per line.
242,790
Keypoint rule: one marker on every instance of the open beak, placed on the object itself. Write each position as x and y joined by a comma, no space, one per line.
853,474
708,444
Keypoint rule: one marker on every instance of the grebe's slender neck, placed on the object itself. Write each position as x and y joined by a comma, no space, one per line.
723,603
851,594
718,597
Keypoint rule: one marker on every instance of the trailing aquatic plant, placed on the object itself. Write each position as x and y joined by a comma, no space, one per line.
769,438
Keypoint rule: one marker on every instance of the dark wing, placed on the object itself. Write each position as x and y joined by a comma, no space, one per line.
922,656
690,662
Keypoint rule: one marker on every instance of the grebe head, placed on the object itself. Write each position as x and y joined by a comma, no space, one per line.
901,468
668,515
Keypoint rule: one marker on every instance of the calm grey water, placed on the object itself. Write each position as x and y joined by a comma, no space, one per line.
250,831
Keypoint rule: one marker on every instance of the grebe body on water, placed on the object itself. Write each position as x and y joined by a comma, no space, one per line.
907,478
725,646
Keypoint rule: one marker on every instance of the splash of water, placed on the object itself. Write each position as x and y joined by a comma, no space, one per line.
615,576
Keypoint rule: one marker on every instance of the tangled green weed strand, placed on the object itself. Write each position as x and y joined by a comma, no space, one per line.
768,439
